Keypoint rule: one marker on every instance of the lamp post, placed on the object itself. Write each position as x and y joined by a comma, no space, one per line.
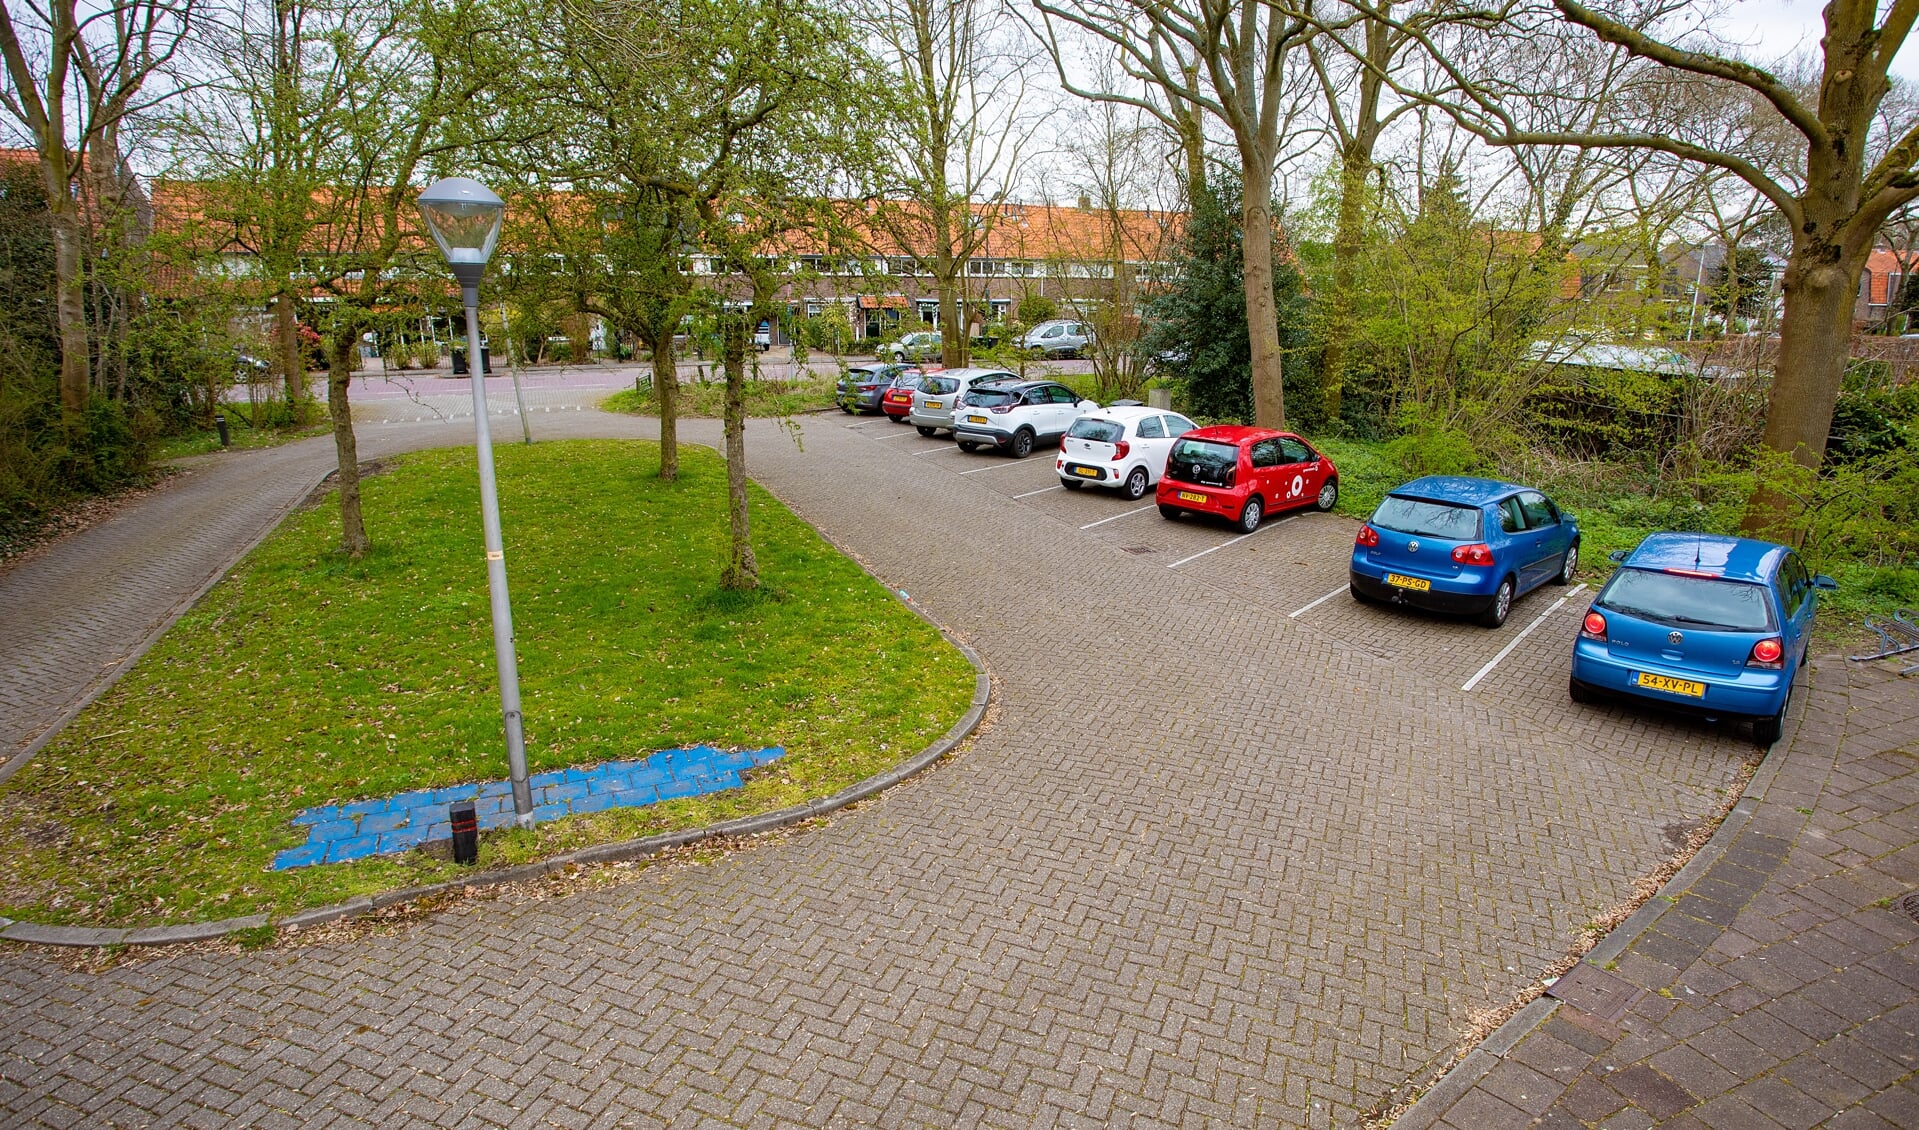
464,217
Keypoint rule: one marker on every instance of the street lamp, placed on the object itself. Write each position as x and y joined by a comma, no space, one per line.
464,217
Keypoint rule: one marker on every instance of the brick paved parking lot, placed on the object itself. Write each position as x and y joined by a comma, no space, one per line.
1214,864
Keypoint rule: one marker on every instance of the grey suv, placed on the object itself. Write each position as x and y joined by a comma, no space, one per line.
1060,338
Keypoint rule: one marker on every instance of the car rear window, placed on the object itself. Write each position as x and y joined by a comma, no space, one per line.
1428,519
1203,461
989,397
1713,603
1099,431
939,384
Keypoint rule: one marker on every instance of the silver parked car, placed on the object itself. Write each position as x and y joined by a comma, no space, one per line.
1060,338
933,402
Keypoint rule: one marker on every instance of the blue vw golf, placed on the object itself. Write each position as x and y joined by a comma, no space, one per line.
1703,623
1455,544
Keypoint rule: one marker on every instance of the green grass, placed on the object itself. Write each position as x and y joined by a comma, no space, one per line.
240,437
303,678
763,398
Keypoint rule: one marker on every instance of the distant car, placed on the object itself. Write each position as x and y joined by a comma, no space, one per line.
1456,544
897,400
1122,447
1060,338
1701,623
1013,416
921,346
1243,474
939,393
861,387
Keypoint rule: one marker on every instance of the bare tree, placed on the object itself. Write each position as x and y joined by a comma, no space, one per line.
1848,178
1229,58
960,138
74,74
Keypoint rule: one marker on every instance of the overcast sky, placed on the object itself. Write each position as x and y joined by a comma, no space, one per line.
1780,27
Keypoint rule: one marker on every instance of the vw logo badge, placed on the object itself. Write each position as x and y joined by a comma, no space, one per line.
1412,546
1675,638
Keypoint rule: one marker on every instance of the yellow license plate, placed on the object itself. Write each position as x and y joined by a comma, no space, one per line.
976,419
1086,471
1672,686
933,404
1417,584
1189,496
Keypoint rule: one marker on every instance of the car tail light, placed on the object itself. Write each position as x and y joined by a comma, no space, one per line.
1367,536
1004,408
1594,627
1120,449
1477,553
1769,652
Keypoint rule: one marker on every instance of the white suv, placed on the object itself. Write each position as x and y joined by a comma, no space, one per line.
1124,447
1014,415
939,393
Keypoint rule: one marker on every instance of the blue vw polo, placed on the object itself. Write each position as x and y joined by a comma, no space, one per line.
1702,623
1456,544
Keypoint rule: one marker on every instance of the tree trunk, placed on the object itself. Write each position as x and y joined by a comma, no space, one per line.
1262,313
666,386
70,308
353,541
1815,335
286,343
1354,167
742,572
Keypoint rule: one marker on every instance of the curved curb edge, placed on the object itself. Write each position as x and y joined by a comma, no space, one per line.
1476,1064
89,936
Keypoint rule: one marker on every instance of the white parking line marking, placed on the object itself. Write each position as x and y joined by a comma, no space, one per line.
896,435
1320,601
1041,490
997,466
934,451
1117,517
1235,541
1469,684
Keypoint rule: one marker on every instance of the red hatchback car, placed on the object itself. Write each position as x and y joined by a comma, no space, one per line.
1243,474
897,401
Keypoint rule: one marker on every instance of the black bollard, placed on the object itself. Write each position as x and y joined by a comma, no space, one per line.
220,422
466,832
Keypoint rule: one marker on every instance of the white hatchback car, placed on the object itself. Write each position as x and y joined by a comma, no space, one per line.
939,393
1124,447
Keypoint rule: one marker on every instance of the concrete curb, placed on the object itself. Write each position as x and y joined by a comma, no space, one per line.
1482,1059
85,936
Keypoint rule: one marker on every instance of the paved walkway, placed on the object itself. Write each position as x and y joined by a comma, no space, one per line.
1231,854
1779,988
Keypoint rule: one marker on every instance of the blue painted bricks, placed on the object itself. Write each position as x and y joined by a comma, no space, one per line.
345,832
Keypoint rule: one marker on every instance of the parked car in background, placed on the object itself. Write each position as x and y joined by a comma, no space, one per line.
1014,415
897,400
1456,544
861,386
939,393
1243,474
1123,446
923,345
1701,623
1060,338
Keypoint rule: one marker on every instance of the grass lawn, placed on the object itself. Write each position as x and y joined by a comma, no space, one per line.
240,435
303,679
764,397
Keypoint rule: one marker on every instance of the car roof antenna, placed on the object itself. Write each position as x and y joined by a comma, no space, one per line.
1698,546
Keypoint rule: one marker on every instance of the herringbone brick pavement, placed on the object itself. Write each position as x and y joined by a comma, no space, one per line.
1213,865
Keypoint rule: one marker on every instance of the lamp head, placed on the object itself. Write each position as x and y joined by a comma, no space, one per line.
464,217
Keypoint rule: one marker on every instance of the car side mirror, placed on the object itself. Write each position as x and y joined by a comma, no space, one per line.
1821,581
1616,556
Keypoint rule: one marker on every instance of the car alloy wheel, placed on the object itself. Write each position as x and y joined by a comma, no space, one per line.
1568,566
1496,612
1328,495
1136,484
1022,444
1250,515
